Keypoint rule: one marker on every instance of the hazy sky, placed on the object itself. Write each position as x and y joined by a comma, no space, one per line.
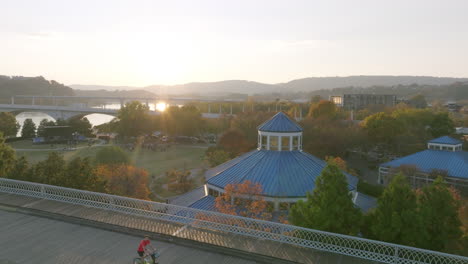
168,42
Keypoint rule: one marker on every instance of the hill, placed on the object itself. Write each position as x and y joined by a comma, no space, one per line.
323,83
299,85
116,93
18,85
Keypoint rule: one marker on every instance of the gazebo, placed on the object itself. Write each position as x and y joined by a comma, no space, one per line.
285,172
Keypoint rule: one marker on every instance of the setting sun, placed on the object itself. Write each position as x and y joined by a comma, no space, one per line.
161,106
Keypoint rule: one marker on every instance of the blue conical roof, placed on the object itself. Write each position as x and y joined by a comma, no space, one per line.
280,123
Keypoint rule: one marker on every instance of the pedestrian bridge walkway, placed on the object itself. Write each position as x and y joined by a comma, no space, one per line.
253,239
30,239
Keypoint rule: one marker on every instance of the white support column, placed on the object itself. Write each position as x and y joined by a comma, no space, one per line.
268,142
290,143
280,143
299,142
12,100
276,205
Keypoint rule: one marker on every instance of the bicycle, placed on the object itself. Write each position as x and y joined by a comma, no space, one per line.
146,259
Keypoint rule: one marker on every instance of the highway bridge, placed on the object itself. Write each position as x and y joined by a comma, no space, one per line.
67,112
45,222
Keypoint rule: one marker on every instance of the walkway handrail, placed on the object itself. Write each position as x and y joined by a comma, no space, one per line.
298,236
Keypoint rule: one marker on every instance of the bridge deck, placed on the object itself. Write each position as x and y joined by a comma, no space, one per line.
31,239
265,251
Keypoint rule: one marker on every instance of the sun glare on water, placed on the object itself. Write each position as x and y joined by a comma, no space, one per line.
161,106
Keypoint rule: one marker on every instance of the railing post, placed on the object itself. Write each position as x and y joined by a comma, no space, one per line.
395,256
43,192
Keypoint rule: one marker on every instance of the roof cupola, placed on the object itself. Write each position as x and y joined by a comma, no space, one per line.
445,143
280,133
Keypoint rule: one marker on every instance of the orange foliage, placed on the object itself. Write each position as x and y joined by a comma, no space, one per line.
243,199
338,162
125,180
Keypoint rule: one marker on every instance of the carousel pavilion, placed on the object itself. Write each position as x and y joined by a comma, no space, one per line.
285,172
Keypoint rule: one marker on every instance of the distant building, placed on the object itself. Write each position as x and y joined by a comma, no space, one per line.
285,172
443,155
360,101
453,107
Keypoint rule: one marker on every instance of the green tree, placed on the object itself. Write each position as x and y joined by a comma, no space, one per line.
41,128
179,181
50,171
418,101
329,207
396,218
81,174
29,129
20,170
112,155
134,119
439,212
382,128
216,156
82,126
7,157
441,125
248,122
8,124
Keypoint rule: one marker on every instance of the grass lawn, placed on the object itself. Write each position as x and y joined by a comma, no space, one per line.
156,163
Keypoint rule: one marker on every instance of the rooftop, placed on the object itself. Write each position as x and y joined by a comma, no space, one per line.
280,123
281,173
446,140
454,162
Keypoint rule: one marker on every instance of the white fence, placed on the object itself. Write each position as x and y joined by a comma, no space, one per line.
324,241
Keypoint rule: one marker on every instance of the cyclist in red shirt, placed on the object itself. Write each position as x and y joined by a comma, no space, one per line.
143,248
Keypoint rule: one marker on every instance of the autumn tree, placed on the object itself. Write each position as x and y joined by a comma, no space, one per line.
7,157
396,218
244,199
8,124
29,129
112,155
234,142
125,180
439,214
179,181
323,110
81,174
329,207
331,137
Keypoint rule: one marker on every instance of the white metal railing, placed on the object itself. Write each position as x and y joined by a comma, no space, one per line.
303,237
